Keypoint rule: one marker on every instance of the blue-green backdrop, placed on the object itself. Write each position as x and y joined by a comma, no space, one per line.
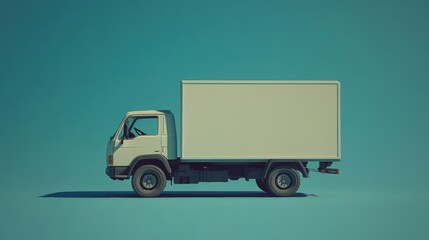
69,70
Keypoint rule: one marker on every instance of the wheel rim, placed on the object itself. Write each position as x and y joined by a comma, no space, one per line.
283,181
149,181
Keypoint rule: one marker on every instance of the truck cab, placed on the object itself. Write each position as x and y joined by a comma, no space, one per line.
141,135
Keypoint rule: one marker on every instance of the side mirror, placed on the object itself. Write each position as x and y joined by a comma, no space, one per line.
125,133
126,130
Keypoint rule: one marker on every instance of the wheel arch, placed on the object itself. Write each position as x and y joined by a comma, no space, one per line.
156,159
297,165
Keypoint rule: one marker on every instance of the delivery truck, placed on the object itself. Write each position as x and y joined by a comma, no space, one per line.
268,131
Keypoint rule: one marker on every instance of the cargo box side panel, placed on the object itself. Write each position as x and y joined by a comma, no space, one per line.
260,120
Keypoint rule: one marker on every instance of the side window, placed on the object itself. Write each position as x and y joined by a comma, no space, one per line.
144,126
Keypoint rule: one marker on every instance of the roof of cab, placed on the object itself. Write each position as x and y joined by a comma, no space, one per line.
149,112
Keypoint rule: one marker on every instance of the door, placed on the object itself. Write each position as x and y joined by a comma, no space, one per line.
142,137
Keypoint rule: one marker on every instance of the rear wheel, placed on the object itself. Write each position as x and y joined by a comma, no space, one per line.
261,184
149,181
283,181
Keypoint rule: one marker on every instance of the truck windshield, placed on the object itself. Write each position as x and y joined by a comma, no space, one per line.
113,135
129,123
119,128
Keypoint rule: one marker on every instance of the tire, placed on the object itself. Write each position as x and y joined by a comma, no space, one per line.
283,181
149,181
261,184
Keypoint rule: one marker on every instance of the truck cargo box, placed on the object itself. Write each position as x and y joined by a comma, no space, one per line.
260,120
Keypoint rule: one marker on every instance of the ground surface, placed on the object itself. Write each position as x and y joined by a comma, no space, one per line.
184,213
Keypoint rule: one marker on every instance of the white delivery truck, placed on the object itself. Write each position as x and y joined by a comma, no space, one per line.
263,130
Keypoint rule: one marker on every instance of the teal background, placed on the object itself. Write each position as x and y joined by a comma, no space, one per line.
69,70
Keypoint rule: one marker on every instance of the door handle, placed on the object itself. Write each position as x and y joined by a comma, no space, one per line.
157,150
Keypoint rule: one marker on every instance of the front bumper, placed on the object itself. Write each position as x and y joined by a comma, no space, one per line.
115,172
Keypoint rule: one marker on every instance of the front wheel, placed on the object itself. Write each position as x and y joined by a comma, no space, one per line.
283,181
149,181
